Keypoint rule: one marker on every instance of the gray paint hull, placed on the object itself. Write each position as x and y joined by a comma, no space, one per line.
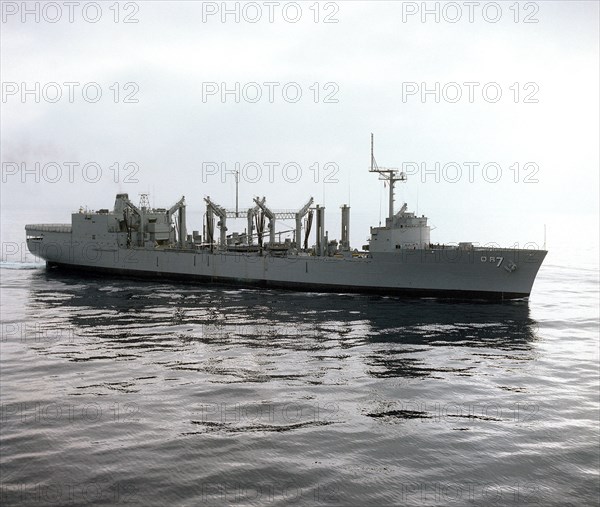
476,273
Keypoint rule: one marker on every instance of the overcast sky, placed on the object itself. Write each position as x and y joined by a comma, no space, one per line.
162,109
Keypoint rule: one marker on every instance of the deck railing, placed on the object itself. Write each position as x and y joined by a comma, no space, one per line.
48,228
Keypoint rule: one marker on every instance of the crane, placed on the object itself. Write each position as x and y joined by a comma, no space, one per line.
211,208
299,216
179,207
270,215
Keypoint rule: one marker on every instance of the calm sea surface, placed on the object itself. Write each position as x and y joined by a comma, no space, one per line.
130,392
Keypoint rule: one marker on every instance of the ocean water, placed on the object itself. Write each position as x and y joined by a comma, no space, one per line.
117,391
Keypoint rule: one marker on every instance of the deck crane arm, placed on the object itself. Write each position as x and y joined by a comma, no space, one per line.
270,215
250,217
299,216
140,214
179,206
222,214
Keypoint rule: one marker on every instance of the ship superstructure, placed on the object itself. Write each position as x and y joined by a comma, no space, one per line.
400,259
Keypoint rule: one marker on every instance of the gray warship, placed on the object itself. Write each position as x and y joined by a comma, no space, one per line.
399,259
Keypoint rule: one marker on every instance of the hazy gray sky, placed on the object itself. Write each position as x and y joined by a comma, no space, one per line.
370,68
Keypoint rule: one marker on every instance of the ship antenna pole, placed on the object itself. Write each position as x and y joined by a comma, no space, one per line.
237,181
392,181
372,153
544,236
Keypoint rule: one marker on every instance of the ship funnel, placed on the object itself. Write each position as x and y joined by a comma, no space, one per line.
321,241
345,237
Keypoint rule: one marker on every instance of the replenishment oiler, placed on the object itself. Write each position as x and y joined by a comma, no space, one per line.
399,258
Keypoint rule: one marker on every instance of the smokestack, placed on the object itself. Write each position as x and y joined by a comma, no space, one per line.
321,242
345,237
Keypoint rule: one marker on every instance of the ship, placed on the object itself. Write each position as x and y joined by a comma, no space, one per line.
399,258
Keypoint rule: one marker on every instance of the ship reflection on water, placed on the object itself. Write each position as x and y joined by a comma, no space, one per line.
215,330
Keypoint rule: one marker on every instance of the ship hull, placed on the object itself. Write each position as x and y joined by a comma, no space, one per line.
295,286
492,274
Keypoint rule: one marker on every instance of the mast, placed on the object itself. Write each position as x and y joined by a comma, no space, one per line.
388,174
372,154
237,181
